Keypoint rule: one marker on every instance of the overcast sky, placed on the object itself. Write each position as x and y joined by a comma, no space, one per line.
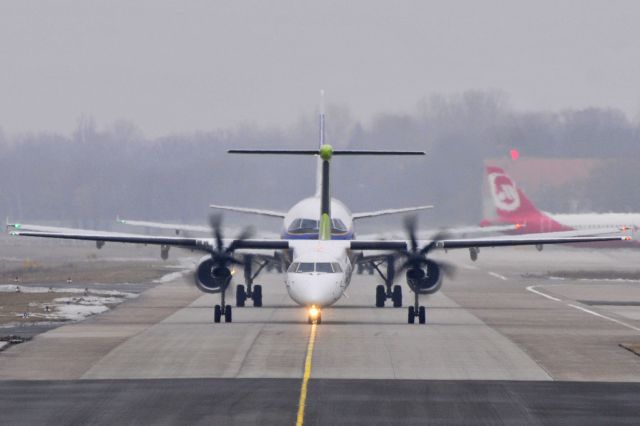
177,66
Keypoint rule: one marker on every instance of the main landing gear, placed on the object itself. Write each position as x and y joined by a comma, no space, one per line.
417,311
388,290
250,291
222,309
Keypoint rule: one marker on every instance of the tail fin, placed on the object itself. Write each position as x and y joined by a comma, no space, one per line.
321,142
504,202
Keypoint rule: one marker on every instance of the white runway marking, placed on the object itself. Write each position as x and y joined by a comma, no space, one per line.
469,267
494,274
604,317
532,289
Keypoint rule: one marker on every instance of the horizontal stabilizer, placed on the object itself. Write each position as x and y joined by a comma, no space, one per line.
364,215
317,152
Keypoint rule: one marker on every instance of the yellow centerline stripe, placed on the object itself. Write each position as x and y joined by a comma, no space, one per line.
305,376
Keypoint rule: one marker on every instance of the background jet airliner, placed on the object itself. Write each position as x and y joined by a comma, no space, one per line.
506,204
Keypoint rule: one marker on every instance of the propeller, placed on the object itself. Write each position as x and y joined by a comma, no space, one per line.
221,255
416,257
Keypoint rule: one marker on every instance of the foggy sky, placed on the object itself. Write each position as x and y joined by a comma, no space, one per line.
177,66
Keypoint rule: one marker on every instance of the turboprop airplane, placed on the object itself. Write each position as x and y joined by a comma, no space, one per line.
506,204
319,271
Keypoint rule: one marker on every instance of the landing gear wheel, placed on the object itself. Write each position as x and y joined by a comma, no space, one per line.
257,296
380,296
422,315
227,313
396,296
319,319
412,315
217,313
241,295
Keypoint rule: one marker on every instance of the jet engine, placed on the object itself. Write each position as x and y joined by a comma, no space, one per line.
210,277
425,280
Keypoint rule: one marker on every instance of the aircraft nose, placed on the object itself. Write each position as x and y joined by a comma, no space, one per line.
314,289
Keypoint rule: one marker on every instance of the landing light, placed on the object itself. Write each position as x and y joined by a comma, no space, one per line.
314,312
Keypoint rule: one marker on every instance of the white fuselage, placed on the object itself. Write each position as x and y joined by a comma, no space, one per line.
320,272
598,220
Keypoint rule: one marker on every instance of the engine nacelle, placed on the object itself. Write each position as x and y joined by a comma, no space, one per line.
425,280
211,277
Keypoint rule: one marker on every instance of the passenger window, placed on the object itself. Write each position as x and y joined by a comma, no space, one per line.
305,267
324,267
336,267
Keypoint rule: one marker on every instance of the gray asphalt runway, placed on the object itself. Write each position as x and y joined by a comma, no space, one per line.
337,401
501,345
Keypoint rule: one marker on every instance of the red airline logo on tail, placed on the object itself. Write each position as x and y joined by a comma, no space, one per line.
503,191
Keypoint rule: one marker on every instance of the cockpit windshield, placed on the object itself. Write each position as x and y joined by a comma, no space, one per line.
310,226
321,267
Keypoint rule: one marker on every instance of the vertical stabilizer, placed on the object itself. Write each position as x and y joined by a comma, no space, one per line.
321,142
504,202
326,152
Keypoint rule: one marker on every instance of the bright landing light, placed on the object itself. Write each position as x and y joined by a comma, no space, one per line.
314,312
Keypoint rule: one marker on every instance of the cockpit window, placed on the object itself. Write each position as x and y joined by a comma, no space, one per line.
338,226
324,267
303,226
305,267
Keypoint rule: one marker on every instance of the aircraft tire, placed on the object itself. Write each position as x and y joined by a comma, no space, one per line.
319,319
227,313
422,315
412,315
380,296
257,296
396,296
217,314
241,295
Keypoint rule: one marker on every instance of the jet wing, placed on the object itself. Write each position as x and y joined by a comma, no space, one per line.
446,244
262,212
376,213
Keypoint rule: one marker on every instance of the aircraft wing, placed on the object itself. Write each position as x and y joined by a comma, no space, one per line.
173,226
376,213
200,244
262,212
446,244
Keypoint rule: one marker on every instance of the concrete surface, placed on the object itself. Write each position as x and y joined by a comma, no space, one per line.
491,352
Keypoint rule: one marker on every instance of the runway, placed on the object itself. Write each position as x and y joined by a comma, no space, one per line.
492,351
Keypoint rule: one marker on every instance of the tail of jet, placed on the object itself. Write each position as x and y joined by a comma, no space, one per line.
505,203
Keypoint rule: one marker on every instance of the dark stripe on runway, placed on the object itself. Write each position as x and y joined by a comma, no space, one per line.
274,401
